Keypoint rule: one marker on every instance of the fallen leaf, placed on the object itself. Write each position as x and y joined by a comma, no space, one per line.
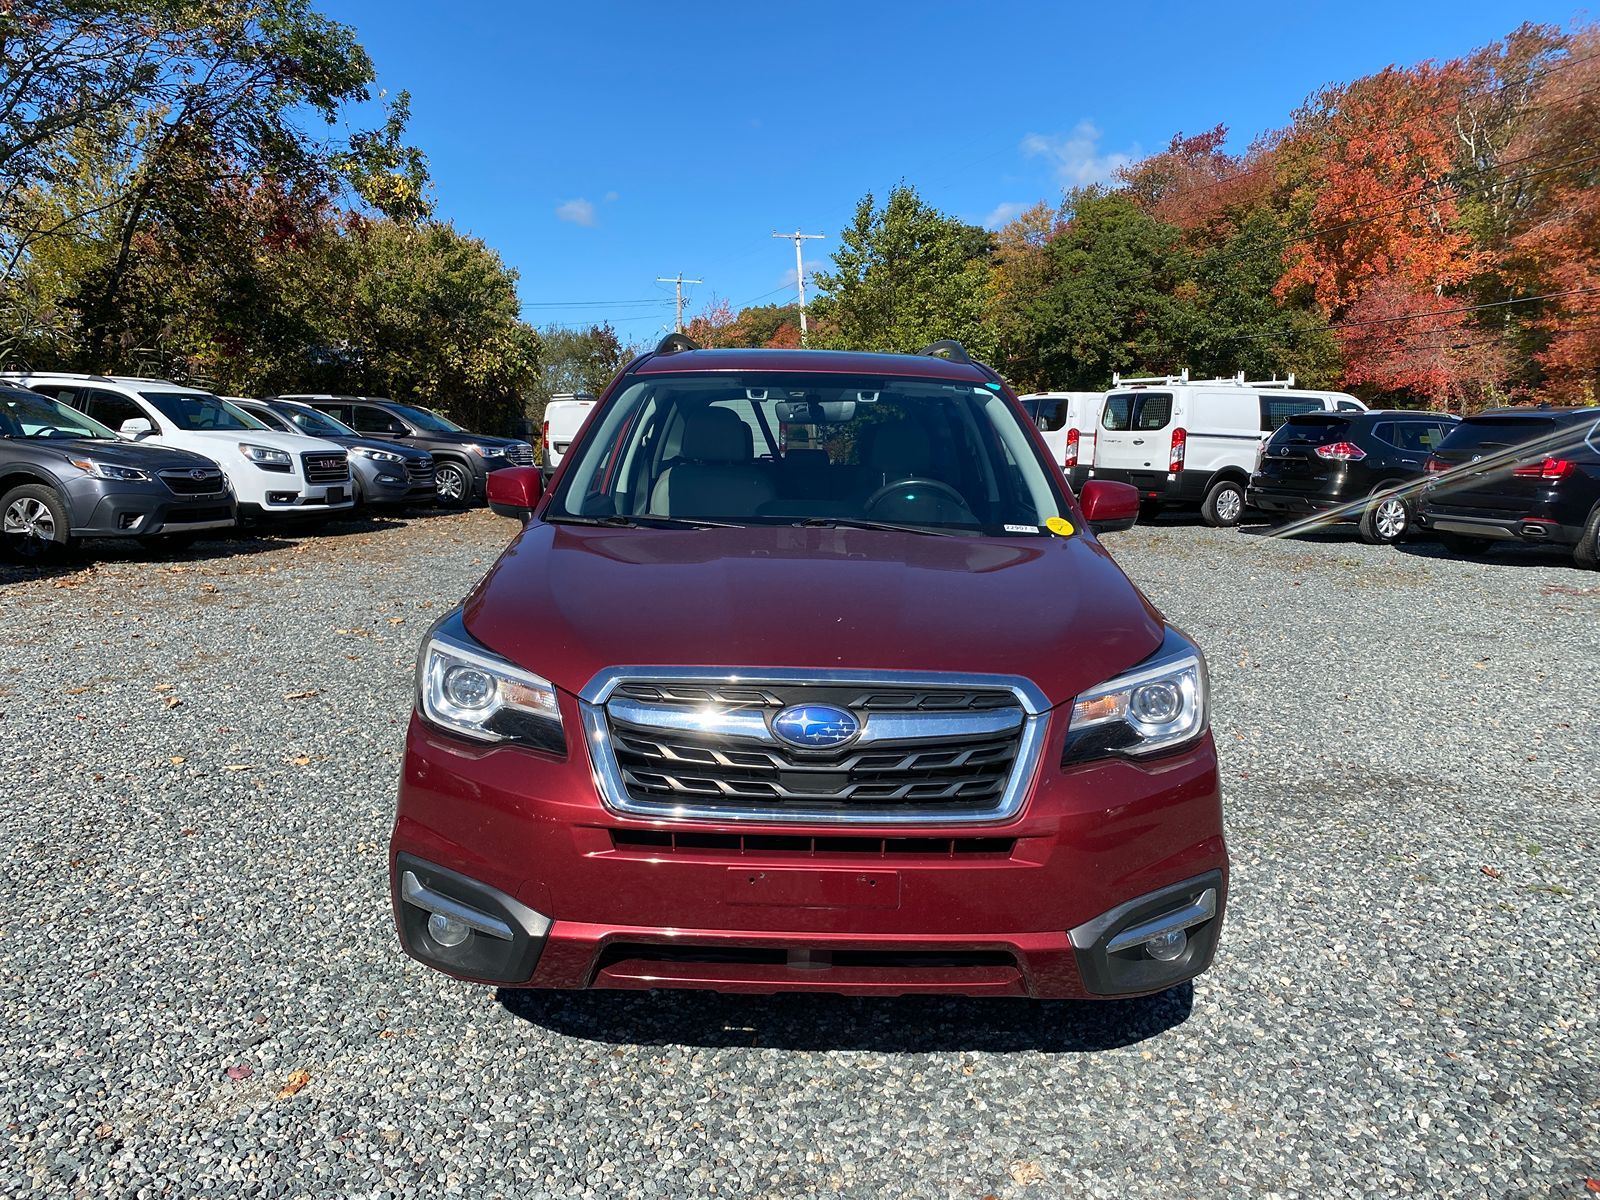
1024,1173
239,1071
172,702
78,691
305,695
1592,1184
239,767
296,1081
301,760
1491,872
162,687
177,760
396,620
103,1130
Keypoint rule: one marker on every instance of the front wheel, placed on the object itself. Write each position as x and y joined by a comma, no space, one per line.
1385,521
1224,505
452,484
34,522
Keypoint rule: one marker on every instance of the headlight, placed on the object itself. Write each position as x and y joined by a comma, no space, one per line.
102,470
387,456
266,457
463,688
488,451
1159,705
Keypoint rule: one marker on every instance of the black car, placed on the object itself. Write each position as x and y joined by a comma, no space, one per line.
1354,466
461,460
382,472
1530,475
64,476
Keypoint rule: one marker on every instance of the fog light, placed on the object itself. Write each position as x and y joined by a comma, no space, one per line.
1164,947
448,931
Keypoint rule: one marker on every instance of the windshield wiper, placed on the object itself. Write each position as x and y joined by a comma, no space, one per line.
645,521
883,526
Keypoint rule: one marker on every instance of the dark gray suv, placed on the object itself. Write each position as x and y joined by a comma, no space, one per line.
64,476
383,472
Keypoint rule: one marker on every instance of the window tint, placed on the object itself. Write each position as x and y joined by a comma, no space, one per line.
112,410
1384,432
374,420
1049,413
1118,412
1497,432
1348,406
1420,437
1275,410
339,412
1138,410
268,418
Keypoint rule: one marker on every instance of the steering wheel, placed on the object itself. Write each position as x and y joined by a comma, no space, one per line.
47,431
888,489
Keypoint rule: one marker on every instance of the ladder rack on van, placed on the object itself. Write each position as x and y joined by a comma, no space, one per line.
1117,381
1239,380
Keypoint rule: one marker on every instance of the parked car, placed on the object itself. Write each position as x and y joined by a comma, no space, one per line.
1069,422
721,718
381,472
563,418
462,461
1530,475
1365,467
1194,443
64,477
273,475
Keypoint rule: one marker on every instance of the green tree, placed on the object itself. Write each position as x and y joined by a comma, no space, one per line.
905,275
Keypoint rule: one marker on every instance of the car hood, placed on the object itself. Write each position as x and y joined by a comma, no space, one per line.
466,439
294,443
144,456
568,601
404,451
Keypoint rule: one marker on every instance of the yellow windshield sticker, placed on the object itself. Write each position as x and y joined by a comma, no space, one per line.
1060,526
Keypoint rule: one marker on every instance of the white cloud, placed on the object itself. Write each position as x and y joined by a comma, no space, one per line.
1004,214
610,197
1076,156
811,269
579,212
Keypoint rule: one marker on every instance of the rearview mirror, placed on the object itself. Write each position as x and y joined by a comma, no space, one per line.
1109,506
515,491
136,428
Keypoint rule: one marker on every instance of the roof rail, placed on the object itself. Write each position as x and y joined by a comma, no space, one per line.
1238,380
947,348
674,342
1118,381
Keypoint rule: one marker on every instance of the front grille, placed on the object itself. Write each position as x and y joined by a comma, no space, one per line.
326,467
662,841
199,482
520,453
419,470
926,752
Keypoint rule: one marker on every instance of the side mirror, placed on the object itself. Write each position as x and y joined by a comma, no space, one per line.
1109,506
136,428
515,491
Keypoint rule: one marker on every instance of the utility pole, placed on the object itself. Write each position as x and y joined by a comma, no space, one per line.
679,281
799,272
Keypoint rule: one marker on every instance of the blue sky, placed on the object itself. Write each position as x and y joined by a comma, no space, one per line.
597,146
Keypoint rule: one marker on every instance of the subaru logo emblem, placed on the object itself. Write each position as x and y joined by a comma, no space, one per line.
816,726
197,474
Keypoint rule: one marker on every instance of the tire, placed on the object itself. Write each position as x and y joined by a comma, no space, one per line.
34,524
1587,552
1224,504
1385,521
1464,545
452,484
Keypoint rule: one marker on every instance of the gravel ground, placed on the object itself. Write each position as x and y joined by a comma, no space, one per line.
200,756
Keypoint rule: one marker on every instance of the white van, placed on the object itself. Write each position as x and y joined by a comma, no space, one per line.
564,415
1193,443
1068,421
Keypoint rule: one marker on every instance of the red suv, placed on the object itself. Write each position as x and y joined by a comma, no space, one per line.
809,673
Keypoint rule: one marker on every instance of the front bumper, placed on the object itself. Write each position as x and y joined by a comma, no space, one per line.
1027,908
146,512
295,498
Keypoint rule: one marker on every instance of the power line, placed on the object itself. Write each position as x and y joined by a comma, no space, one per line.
800,270
1442,312
678,281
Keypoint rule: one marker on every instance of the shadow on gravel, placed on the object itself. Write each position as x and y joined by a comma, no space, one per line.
903,1025
1508,554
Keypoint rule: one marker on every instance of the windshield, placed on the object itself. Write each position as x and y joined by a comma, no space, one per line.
757,448
315,424
426,418
197,412
24,414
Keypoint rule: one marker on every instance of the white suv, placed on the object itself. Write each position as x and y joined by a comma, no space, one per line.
273,474
1194,443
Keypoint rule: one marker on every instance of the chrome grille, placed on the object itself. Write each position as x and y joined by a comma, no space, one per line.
195,482
931,749
520,453
420,470
326,467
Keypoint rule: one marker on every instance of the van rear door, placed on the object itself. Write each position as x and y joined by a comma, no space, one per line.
1135,431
